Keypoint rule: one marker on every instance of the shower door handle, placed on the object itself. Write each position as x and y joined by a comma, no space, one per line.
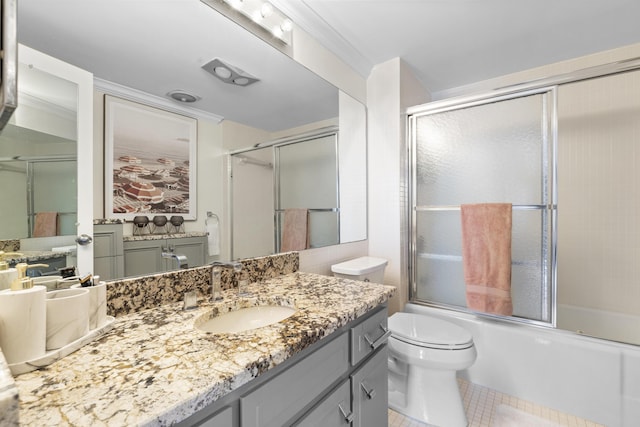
381,340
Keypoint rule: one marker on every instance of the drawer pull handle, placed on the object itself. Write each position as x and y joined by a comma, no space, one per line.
381,340
347,417
370,393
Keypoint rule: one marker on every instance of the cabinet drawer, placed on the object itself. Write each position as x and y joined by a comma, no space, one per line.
368,336
369,385
276,402
333,411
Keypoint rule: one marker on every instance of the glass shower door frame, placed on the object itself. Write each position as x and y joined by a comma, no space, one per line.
549,188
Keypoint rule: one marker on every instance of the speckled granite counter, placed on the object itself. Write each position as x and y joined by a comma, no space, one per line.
162,236
155,368
36,256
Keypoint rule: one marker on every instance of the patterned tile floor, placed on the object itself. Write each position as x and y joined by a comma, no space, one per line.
480,404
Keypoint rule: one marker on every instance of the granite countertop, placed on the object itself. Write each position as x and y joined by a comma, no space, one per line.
34,256
163,236
155,368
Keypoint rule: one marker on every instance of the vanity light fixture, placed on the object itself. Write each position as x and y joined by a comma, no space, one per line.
228,73
265,15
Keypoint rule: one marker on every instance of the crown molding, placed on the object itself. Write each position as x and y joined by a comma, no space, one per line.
308,20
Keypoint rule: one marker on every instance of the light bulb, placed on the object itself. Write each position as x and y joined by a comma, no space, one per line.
266,10
236,4
286,25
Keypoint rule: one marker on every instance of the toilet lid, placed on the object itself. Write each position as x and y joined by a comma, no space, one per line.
426,331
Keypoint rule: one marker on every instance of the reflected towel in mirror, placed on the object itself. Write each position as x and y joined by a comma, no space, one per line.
45,224
213,236
295,230
486,256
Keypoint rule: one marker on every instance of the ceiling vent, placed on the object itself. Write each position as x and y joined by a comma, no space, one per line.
228,73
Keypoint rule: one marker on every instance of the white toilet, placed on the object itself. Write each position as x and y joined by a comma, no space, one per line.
424,355
368,269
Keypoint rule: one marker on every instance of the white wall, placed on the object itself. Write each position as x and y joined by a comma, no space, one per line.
390,89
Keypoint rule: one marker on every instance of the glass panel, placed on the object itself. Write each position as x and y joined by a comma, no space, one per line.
439,271
474,155
45,180
252,203
307,174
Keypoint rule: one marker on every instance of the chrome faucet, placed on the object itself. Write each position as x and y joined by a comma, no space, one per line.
216,273
181,259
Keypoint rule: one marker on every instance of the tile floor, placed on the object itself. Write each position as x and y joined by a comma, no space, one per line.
480,404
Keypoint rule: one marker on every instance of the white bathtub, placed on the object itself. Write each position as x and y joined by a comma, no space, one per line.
615,326
587,377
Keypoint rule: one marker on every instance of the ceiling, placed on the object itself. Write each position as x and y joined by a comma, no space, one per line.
160,45
452,43
157,46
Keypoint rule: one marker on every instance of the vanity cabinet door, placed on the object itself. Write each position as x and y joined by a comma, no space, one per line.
333,411
277,402
369,388
108,261
143,257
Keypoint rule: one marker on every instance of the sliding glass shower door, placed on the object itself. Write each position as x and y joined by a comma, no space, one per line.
486,151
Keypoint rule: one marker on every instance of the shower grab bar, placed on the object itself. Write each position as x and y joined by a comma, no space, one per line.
457,207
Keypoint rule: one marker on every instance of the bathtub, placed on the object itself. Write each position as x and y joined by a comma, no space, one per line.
591,378
615,326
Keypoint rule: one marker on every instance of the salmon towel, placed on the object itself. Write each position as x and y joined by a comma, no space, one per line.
45,224
295,230
486,257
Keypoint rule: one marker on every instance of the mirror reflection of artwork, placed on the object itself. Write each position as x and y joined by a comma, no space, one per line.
149,161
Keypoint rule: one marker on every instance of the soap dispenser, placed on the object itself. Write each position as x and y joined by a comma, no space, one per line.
22,281
23,319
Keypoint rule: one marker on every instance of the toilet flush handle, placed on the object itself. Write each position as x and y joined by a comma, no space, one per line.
381,340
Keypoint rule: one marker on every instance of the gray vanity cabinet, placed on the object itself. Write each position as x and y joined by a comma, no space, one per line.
369,388
145,256
108,258
326,385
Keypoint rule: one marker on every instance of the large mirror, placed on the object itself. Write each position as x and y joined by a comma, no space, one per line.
144,62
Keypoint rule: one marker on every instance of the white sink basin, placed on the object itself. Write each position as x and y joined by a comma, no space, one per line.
246,319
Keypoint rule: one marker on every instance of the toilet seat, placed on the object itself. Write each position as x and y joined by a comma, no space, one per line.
429,332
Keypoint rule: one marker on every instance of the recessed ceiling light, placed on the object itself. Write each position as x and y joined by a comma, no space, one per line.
182,96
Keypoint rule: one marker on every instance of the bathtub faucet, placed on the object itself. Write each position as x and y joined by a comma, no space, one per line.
216,274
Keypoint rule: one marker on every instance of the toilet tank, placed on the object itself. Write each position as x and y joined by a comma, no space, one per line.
368,269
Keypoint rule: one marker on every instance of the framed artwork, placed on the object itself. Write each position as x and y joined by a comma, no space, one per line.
150,161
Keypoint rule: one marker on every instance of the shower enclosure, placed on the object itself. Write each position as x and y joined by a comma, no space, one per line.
565,152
